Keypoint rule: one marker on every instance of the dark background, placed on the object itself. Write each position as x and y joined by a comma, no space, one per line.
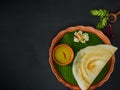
26,31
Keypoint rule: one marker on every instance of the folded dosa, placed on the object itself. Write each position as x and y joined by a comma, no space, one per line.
89,62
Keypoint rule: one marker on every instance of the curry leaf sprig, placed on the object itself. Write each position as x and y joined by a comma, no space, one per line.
103,14
102,23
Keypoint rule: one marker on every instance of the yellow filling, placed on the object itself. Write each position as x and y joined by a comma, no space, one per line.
63,54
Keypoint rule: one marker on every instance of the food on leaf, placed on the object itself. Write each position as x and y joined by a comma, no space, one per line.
81,37
63,54
89,62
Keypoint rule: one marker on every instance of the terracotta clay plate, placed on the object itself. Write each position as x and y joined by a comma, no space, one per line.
56,72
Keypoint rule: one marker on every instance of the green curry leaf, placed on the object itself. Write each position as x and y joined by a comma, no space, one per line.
103,15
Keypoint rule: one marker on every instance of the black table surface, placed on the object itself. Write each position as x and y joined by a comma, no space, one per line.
26,31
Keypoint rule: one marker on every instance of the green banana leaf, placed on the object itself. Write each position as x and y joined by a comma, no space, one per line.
66,71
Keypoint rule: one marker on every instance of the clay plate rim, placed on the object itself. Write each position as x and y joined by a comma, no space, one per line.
86,29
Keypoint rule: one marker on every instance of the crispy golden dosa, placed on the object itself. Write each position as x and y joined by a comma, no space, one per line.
89,62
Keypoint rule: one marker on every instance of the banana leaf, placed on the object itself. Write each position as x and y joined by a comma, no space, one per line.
66,71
